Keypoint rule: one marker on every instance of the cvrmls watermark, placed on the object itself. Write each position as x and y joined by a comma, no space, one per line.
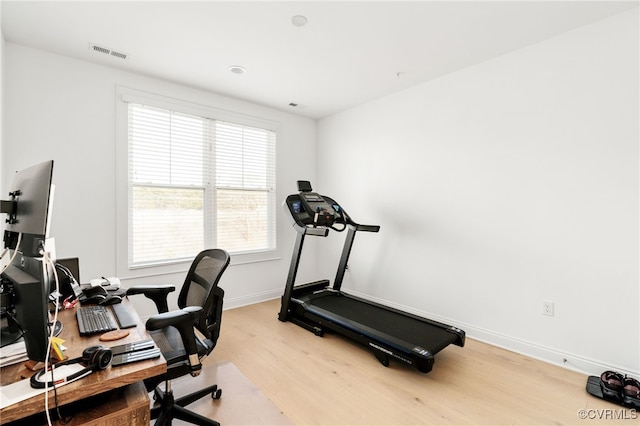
608,414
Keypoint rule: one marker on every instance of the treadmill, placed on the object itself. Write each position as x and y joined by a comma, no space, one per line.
318,306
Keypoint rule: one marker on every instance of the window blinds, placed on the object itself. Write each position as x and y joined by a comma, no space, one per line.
197,182
245,182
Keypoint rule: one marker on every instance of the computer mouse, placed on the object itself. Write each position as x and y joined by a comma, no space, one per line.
94,291
110,300
92,300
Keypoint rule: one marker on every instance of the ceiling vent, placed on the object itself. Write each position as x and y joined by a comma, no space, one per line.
107,51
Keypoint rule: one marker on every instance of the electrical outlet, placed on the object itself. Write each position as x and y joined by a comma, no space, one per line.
547,308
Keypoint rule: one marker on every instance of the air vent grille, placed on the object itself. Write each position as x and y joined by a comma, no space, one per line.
119,54
107,51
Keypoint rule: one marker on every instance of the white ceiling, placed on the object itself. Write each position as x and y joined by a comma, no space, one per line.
349,52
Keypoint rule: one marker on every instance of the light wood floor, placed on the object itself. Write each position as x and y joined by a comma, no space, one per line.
333,381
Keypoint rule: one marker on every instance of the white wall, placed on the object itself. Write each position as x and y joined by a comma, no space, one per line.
2,43
500,186
64,109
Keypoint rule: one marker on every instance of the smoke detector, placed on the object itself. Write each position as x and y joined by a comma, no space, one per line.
299,20
237,69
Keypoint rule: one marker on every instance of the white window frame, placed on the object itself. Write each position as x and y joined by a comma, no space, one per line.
123,97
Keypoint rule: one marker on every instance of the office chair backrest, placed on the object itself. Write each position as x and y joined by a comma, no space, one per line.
201,289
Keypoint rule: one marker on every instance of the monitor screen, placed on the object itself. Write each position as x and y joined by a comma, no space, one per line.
31,200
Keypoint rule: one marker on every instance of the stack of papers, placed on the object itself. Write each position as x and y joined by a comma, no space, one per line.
13,353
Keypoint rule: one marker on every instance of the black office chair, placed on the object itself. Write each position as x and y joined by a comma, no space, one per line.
200,303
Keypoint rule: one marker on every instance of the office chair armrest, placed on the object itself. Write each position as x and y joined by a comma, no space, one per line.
174,318
182,320
195,311
167,319
157,293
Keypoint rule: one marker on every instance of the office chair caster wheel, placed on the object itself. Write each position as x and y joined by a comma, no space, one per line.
216,393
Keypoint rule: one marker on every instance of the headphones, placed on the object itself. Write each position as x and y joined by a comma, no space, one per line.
94,358
97,357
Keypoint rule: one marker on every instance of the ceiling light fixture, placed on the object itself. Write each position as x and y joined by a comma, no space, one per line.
299,20
237,69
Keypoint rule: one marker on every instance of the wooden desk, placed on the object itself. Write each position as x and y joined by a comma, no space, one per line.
96,383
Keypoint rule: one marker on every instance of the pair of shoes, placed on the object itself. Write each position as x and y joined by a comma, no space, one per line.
623,389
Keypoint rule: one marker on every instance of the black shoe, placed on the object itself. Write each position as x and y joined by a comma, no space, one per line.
631,392
612,385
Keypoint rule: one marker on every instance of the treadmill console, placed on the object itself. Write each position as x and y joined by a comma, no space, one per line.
312,209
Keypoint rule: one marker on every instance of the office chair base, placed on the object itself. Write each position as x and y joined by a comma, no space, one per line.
171,408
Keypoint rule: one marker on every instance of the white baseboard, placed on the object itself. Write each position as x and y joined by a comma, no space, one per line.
567,360
250,299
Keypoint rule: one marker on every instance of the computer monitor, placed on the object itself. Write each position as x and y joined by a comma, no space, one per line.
29,208
25,281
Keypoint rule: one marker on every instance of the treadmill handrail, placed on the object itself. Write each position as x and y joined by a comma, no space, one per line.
319,231
323,231
367,228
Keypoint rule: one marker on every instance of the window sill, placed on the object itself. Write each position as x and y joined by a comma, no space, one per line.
181,267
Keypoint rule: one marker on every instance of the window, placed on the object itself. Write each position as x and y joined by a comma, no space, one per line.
197,181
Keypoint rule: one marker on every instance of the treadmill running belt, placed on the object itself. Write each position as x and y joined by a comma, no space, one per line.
406,328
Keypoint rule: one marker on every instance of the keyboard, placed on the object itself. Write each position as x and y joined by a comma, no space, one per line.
95,319
100,319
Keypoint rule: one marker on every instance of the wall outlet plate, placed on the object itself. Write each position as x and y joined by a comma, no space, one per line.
547,308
